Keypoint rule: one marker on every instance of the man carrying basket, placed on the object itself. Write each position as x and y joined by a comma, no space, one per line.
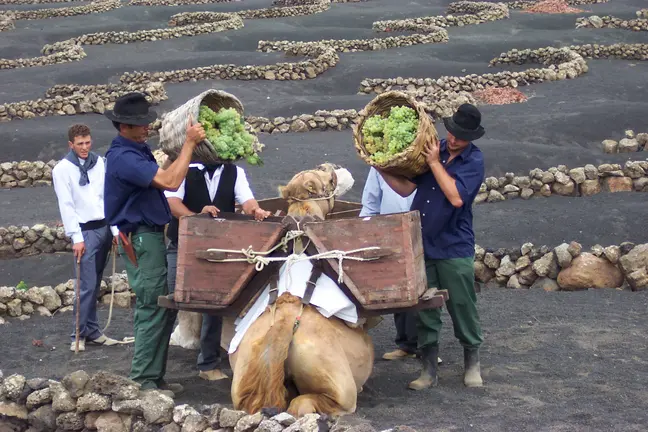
444,197
135,203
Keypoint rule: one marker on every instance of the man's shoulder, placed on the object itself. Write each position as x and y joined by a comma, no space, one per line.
476,155
61,166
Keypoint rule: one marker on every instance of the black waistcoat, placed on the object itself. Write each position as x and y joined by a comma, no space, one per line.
197,195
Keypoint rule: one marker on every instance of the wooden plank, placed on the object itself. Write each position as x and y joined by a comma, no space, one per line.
394,281
219,284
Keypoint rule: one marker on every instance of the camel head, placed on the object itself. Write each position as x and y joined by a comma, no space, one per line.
313,192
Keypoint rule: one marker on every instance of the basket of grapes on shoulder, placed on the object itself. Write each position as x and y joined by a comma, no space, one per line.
392,133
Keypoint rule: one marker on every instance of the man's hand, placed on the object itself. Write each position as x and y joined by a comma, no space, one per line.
78,249
260,214
115,241
195,132
212,210
431,152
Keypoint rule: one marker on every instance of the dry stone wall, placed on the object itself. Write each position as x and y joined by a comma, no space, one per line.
21,302
111,403
26,174
566,267
7,18
630,143
595,21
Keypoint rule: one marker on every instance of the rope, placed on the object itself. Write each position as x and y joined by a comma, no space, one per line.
112,279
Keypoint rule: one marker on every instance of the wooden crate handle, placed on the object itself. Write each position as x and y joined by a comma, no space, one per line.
210,255
374,253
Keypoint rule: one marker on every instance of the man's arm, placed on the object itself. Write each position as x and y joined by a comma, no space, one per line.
172,177
371,195
178,209
447,184
71,224
243,195
400,184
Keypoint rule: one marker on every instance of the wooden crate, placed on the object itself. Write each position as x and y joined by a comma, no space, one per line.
394,281
218,285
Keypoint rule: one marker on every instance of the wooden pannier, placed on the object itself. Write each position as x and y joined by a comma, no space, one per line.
396,280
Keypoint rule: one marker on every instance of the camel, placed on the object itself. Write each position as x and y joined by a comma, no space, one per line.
292,357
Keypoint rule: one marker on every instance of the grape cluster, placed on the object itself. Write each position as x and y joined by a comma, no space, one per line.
386,137
226,132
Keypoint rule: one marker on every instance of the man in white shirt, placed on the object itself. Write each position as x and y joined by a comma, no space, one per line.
208,189
379,198
79,185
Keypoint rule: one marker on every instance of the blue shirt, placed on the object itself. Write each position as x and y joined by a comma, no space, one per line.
129,197
379,198
448,231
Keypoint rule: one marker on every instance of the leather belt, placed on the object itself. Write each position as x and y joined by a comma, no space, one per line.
93,225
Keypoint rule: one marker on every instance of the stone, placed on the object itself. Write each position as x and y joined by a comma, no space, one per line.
543,266
38,398
35,296
196,423
181,412
229,417
491,261
526,248
597,250
14,308
527,276
589,271
523,262
618,184
269,425
90,421
157,407
284,419
495,196
564,189
513,283
118,387
638,279
70,421
506,267
6,294
43,418
633,170
113,422
172,427
51,300
574,249
122,299
526,193
75,383
591,172
563,256
13,387
577,175
626,247
248,423
13,410
129,406
612,253
590,187
479,253
299,126
36,383
93,402
628,145
545,190
610,146
306,423
482,272
43,311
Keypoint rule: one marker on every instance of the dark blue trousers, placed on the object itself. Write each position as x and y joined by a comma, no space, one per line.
93,262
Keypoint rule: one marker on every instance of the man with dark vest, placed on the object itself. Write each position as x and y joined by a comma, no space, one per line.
208,189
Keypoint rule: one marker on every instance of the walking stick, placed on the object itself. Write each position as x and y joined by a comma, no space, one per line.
78,304
112,279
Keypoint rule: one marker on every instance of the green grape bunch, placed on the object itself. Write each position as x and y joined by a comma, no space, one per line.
226,132
386,137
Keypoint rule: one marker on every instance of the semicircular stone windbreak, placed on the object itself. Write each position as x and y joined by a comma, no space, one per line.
607,21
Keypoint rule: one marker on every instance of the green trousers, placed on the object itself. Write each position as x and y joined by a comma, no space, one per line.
458,277
152,324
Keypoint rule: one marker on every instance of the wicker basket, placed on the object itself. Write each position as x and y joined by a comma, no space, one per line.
173,131
411,161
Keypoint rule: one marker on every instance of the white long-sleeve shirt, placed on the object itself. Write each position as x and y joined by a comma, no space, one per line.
379,198
79,204
242,191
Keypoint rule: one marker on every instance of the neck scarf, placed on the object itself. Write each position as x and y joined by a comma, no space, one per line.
90,162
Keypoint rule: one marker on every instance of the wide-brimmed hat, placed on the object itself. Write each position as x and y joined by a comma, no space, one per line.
132,109
465,124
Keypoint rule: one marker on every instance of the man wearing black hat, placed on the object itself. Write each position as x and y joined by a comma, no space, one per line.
444,197
135,203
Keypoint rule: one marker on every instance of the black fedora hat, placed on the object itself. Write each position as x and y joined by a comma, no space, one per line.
465,124
132,109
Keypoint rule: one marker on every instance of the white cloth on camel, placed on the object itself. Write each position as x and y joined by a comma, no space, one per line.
328,298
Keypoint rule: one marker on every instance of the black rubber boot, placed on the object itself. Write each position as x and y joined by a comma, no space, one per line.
472,374
428,377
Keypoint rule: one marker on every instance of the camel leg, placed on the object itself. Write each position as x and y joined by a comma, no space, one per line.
320,369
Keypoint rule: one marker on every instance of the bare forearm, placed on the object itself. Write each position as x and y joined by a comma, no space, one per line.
447,184
172,177
400,184
250,206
